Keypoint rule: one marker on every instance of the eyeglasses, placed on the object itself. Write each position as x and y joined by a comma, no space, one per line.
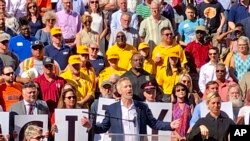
95,49
39,137
149,91
71,97
220,70
168,34
178,90
33,6
9,73
120,36
96,2
212,53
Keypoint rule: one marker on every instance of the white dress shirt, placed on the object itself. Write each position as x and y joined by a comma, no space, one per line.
27,106
128,126
208,73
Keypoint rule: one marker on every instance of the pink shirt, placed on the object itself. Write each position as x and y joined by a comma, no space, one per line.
223,89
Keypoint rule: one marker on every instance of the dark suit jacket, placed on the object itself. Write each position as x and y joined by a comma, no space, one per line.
144,118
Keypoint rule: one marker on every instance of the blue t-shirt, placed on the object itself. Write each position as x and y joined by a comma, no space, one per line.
98,64
187,29
60,55
21,46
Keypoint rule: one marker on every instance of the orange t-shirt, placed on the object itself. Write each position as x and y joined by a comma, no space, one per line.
43,3
10,95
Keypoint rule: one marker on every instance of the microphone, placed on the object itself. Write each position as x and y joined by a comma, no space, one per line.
129,120
134,119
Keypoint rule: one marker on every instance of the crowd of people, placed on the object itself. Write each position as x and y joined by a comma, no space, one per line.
66,54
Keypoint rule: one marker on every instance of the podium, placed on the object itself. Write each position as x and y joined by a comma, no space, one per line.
136,137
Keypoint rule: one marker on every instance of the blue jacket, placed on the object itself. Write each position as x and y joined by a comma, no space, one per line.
114,125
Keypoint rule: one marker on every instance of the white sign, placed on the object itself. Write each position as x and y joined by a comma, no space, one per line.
21,122
226,107
161,111
4,122
68,122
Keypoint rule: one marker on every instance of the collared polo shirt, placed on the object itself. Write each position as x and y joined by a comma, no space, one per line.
238,12
60,55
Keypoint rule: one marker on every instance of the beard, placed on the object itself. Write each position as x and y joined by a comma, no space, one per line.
236,102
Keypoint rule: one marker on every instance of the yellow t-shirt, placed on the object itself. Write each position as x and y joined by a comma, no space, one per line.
161,51
167,82
90,75
125,54
83,86
105,74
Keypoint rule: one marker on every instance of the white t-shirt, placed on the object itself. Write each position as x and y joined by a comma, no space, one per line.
245,112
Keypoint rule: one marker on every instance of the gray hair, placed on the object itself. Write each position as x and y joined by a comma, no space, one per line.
48,15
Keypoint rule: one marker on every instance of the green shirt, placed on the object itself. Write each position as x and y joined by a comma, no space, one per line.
143,10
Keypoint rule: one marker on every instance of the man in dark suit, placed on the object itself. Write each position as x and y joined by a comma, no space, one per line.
128,116
29,105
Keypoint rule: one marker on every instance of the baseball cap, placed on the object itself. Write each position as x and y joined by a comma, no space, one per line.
37,43
143,45
148,85
48,61
201,27
55,30
4,37
112,56
82,49
74,59
106,82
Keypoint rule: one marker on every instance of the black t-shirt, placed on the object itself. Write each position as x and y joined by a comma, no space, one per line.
210,12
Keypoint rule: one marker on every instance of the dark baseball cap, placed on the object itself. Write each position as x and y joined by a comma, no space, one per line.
37,43
48,61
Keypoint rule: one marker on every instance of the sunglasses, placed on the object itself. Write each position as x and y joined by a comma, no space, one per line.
96,49
96,2
9,73
149,91
32,6
185,81
168,34
39,137
178,90
71,97
48,66
212,53
51,20
5,42
87,22
220,70
200,32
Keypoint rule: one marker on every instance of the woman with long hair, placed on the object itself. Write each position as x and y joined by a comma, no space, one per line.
34,17
87,35
193,96
99,22
168,76
181,110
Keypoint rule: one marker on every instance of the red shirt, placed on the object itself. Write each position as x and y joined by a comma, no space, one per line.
50,91
199,52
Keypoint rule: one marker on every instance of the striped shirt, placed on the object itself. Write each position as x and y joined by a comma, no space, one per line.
143,10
